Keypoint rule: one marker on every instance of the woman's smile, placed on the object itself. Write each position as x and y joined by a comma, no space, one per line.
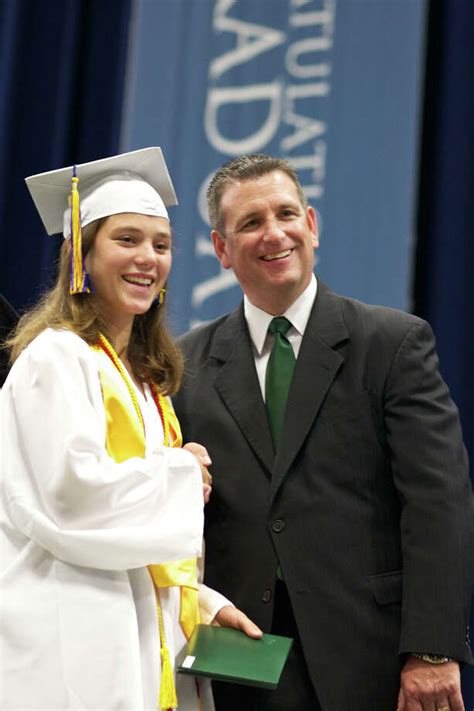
128,265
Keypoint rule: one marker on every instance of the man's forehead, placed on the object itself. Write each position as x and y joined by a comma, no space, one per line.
274,185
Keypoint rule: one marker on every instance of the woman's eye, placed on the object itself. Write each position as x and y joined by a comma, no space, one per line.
126,239
162,247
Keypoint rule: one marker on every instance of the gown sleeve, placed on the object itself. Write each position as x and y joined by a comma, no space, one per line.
61,488
210,602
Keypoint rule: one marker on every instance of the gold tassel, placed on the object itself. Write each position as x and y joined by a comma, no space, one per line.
168,698
79,282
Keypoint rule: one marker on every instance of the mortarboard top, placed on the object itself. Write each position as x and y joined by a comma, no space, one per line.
107,186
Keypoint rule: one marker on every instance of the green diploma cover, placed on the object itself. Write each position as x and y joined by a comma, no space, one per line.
229,655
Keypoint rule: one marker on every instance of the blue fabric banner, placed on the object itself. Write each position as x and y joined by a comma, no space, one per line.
334,86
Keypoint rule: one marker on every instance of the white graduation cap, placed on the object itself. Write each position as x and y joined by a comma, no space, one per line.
130,182
137,181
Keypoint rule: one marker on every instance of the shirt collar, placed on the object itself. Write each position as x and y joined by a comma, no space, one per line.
298,313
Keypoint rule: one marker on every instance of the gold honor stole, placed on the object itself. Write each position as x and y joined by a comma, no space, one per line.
125,438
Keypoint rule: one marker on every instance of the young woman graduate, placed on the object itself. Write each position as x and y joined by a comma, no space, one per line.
102,506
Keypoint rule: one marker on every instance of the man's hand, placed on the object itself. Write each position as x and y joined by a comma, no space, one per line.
230,616
204,461
430,687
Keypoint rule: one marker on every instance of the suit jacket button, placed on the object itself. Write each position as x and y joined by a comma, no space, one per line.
278,525
267,596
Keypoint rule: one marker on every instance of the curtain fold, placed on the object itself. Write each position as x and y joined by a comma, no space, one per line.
445,250
62,75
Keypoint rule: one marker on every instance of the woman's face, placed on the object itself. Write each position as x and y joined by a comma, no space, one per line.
128,264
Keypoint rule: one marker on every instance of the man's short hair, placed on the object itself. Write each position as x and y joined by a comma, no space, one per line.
247,167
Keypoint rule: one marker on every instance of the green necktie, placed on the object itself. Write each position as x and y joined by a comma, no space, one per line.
281,365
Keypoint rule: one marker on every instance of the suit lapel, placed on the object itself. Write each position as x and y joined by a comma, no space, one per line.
238,386
316,368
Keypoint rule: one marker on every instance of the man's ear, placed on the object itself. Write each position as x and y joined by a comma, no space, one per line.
220,248
313,226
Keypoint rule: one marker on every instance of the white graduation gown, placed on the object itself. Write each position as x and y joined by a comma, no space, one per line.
78,621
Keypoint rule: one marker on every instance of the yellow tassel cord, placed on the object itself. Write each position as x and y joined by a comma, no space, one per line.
167,698
79,283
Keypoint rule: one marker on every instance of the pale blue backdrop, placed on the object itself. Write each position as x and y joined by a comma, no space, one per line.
335,86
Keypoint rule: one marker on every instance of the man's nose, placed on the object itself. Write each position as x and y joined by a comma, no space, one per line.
273,229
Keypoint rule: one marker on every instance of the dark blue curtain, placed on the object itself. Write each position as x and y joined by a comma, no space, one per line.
62,70
445,249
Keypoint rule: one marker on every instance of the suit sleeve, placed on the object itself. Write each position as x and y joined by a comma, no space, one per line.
430,470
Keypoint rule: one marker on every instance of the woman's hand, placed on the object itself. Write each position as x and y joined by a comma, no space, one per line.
204,461
230,616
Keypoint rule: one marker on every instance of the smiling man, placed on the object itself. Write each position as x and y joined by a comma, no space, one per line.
341,512
268,240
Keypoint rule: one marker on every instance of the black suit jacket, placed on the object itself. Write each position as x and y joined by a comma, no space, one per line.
367,504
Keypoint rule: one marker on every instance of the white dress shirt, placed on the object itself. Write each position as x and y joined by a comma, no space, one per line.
258,322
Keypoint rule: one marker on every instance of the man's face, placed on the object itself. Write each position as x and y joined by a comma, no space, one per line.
268,240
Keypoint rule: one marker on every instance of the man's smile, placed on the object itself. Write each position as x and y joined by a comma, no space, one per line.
277,255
